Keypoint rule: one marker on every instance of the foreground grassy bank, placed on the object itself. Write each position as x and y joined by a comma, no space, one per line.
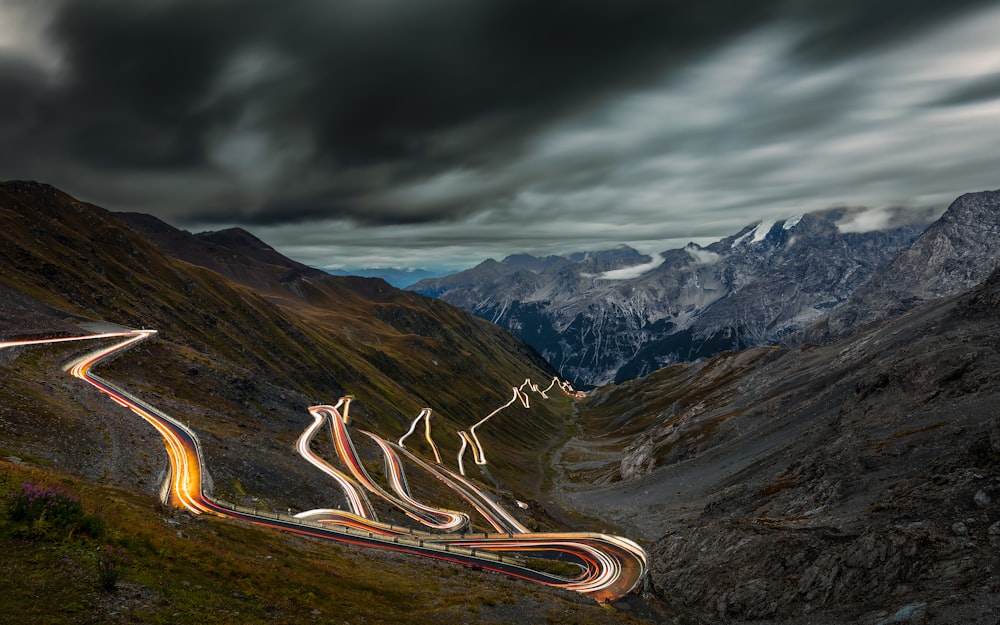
207,570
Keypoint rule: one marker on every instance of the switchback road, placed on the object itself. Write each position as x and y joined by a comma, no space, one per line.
609,566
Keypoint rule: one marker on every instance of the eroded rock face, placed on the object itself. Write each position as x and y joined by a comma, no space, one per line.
778,568
800,573
836,541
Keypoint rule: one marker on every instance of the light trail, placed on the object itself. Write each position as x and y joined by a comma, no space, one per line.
448,520
610,566
495,514
356,499
471,441
185,460
85,337
397,479
427,435
478,455
333,516
461,451
425,414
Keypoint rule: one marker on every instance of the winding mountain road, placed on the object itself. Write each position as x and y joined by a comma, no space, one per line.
609,566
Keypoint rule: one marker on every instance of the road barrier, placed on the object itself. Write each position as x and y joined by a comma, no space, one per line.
410,539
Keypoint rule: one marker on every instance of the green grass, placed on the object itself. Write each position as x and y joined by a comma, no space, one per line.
210,570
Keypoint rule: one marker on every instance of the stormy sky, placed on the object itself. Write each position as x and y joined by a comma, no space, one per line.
429,133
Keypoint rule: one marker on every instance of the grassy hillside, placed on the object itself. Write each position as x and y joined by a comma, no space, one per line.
240,363
185,570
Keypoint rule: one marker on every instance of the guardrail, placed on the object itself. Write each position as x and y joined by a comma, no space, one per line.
165,489
411,538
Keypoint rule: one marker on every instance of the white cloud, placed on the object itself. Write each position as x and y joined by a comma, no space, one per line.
865,221
702,256
627,273
22,35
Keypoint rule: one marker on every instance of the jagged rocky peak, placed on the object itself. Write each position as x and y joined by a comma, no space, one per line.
233,237
28,186
525,262
45,199
958,251
954,253
242,242
571,267
778,233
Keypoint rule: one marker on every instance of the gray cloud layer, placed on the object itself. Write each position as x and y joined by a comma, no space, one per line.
365,132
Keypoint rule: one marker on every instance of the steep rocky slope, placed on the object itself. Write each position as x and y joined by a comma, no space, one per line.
956,252
239,355
852,482
597,323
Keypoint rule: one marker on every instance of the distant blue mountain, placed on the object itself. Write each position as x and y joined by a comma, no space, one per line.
399,278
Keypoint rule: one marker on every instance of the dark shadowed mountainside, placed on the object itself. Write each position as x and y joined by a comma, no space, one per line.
852,482
234,253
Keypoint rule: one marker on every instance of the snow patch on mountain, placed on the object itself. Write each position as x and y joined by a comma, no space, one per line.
628,273
791,223
760,232
755,235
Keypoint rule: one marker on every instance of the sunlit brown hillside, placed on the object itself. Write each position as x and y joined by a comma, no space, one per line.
240,356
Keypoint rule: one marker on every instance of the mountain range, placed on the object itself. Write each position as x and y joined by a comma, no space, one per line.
597,321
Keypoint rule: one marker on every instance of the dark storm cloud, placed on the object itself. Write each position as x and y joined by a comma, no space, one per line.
486,74
848,27
23,94
422,87
418,87
137,74
981,90
465,113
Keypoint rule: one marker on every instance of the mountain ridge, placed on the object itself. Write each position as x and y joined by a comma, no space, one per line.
234,253
755,287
